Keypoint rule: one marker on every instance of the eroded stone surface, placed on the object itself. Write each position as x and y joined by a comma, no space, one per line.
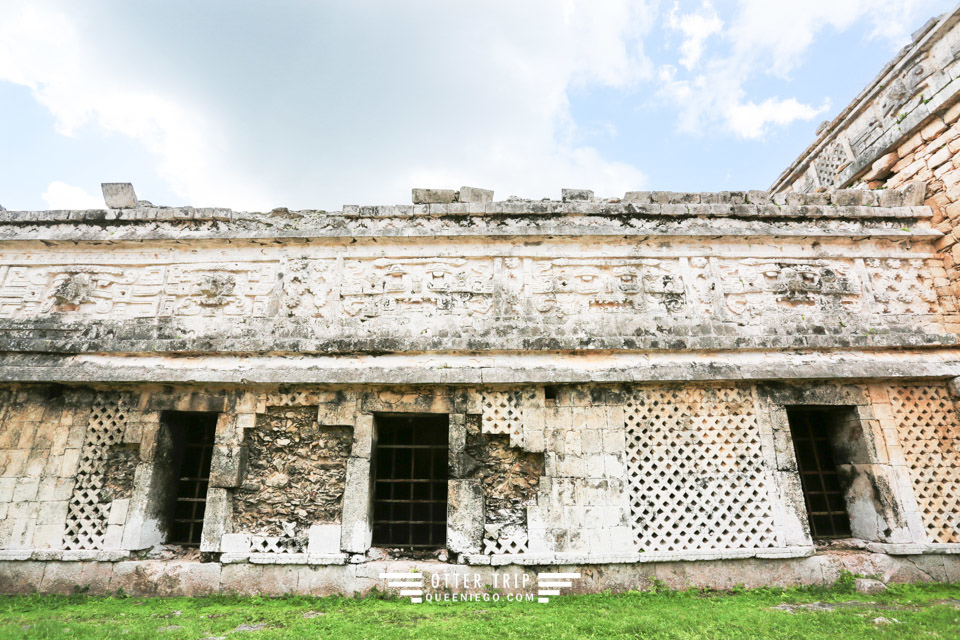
296,472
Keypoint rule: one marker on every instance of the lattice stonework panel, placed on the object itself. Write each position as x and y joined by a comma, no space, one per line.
929,433
695,470
502,414
833,159
87,515
276,544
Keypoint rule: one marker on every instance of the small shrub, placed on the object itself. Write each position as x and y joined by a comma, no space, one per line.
846,583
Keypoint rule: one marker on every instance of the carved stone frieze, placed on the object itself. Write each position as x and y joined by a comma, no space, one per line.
419,286
133,291
754,287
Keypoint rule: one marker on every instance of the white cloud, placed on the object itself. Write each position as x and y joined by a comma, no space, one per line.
696,28
765,39
60,195
469,95
41,48
750,120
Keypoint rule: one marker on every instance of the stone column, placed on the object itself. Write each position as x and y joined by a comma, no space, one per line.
464,495
357,525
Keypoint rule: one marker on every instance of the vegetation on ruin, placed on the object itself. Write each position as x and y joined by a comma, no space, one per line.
915,611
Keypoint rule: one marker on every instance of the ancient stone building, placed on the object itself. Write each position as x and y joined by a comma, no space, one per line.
705,388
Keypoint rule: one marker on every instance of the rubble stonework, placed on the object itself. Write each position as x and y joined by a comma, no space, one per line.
295,473
509,479
617,376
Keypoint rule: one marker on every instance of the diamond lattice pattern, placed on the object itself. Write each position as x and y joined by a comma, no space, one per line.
86,514
929,433
695,470
502,414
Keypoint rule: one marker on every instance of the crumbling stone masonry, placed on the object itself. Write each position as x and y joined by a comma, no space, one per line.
701,388
295,476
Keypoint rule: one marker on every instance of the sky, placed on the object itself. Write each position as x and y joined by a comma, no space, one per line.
313,105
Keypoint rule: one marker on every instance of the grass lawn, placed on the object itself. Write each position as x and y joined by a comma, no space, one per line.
905,611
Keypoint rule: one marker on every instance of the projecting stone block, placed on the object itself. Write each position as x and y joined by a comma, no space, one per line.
637,197
363,436
473,194
882,167
849,197
913,193
119,195
324,538
577,195
228,466
890,198
434,196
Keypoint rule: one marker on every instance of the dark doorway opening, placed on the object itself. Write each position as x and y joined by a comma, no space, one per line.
814,432
191,440
410,482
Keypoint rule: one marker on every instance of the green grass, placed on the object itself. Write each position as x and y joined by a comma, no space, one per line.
920,611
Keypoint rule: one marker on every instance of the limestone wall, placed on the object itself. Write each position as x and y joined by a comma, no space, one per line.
41,440
905,126
575,473
907,96
650,271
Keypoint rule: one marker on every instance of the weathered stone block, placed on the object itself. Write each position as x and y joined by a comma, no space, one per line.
118,511
357,506
7,486
48,536
52,513
119,195
324,538
914,194
577,195
228,466
473,194
21,577
637,197
434,196
868,585
890,198
465,516
113,538
363,436
326,581
217,518
235,543
61,577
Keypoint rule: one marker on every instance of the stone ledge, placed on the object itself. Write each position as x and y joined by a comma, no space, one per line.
284,558
19,555
601,226
913,549
525,559
465,369
528,559
852,204
147,338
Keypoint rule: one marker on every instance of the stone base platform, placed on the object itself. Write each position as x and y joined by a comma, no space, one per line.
192,578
